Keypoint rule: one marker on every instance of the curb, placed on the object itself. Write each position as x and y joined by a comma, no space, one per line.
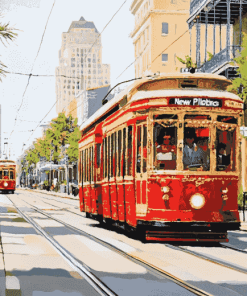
47,193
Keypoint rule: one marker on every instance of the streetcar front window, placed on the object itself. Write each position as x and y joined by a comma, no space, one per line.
225,150
165,146
5,173
196,153
1,174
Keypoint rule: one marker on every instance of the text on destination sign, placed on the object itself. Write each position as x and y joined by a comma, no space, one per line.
196,102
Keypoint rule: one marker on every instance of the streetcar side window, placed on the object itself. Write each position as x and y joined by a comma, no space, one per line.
80,164
196,153
87,166
105,157
144,151
108,156
165,146
115,154
119,152
124,152
112,154
91,159
11,175
225,150
98,161
129,151
139,150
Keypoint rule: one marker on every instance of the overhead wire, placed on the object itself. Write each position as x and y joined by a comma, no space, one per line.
74,76
97,40
29,76
157,55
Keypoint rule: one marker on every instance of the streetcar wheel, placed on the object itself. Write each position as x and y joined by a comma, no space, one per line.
87,215
13,192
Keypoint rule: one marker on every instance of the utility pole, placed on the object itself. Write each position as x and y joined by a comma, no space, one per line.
67,168
6,148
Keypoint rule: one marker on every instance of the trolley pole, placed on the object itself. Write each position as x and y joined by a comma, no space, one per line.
67,168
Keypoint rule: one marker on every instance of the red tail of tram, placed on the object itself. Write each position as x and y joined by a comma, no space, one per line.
7,176
162,157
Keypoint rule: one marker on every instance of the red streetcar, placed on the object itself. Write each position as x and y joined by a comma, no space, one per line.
7,175
163,157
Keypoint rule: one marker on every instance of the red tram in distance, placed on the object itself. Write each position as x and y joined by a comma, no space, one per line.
7,176
163,157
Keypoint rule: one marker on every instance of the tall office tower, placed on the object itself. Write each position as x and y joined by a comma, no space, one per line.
80,64
158,35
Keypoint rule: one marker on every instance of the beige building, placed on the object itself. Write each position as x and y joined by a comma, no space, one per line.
158,24
80,64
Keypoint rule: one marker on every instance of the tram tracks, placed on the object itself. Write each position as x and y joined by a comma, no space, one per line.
84,271
180,248
210,259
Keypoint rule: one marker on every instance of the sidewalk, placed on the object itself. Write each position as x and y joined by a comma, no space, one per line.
59,194
29,265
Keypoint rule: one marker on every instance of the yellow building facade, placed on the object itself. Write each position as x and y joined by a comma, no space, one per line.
161,34
156,35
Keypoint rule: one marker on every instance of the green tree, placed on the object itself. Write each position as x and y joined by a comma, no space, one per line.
187,62
239,85
63,131
6,35
73,149
210,55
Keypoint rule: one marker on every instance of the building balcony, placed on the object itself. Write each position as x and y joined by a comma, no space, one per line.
220,59
196,5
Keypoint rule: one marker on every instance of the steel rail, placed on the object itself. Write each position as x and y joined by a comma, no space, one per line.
208,258
188,251
223,246
133,258
95,282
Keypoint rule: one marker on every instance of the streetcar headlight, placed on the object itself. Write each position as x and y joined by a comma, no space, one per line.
165,189
5,184
197,201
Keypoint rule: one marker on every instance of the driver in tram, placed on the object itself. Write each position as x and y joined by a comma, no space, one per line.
190,154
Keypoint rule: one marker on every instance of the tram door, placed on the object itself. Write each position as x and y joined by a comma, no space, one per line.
141,170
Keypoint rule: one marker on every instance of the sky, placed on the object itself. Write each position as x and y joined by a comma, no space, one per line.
23,104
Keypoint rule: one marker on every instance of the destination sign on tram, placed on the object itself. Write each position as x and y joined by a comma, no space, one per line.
201,102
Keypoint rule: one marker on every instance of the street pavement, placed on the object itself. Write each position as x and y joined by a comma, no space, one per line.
27,261
21,246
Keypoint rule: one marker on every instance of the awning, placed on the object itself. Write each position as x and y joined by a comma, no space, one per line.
49,167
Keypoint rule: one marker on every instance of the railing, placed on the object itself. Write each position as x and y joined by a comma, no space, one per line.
195,4
219,59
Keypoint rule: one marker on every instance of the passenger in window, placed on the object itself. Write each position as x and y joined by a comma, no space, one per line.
223,159
204,153
191,157
166,147
166,153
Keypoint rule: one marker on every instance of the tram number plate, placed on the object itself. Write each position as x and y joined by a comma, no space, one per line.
202,102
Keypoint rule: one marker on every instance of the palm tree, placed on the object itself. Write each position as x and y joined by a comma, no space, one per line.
6,35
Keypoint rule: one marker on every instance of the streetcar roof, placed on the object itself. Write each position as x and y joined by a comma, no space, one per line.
148,94
4,161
